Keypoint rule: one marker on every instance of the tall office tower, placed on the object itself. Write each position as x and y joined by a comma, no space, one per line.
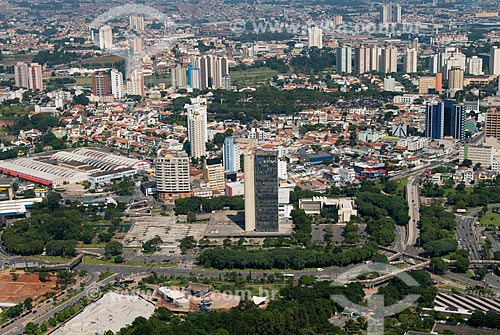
315,37
385,14
456,79
135,85
179,77
213,173
137,45
35,78
261,191
197,127
396,13
445,119
434,120
389,59
344,59
410,60
492,124
337,20
105,37
362,59
375,54
101,84
454,120
194,77
116,84
172,177
231,155
21,75
475,66
136,22
495,60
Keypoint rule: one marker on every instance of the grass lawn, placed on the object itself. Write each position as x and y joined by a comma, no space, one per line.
252,77
103,60
490,219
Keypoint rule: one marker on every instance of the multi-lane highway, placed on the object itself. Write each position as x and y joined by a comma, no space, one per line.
467,236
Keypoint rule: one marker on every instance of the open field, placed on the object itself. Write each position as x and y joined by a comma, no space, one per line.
27,285
252,77
490,219
103,60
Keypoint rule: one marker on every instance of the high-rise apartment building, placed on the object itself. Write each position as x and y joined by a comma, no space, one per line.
494,61
197,127
261,191
492,124
135,86
101,84
231,155
213,69
390,13
137,47
389,59
455,79
136,22
213,173
344,59
105,37
172,177
410,60
21,75
116,84
475,66
194,77
315,37
362,59
179,77
35,77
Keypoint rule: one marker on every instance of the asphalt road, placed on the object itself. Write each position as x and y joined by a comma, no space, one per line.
467,236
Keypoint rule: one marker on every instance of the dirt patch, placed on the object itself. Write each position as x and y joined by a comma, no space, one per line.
27,285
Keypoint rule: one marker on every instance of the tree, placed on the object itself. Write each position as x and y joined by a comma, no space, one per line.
462,263
31,328
439,266
191,217
187,243
113,248
480,273
81,100
28,303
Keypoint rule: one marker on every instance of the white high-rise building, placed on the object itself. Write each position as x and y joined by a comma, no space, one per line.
495,61
475,66
315,37
389,59
410,60
116,84
21,74
136,22
344,59
105,37
375,54
135,86
197,126
35,79
172,177
213,70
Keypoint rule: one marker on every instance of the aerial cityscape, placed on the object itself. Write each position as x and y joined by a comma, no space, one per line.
249,167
